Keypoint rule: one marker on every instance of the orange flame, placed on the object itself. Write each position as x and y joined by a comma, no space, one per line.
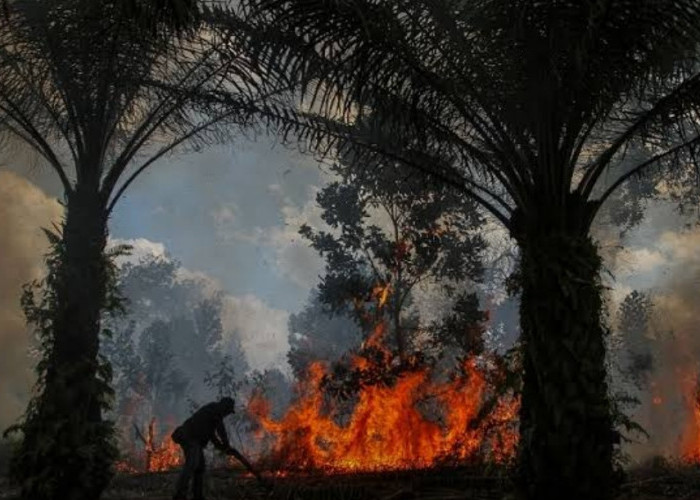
159,457
381,293
690,444
386,429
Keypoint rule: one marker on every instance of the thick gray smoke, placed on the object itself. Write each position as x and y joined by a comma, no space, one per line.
24,209
661,259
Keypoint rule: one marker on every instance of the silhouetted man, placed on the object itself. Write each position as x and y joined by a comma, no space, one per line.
205,425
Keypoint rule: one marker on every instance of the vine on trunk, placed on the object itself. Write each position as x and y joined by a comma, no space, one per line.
54,446
567,417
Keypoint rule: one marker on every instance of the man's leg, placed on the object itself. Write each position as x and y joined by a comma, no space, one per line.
198,483
192,456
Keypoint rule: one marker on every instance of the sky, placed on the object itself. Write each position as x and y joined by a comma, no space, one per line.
231,214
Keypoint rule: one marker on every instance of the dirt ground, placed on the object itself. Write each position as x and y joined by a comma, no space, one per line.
678,483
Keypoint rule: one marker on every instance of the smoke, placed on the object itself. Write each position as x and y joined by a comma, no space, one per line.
677,333
24,209
262,330
660,258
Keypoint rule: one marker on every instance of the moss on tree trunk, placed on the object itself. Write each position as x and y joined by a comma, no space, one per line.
566,425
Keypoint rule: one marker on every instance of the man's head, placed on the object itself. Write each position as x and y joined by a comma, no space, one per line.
227,405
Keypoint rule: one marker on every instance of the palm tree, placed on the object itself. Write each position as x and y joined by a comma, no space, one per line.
101,90
529,107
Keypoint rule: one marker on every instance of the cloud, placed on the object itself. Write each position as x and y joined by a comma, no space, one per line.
141,249
261,329
24,209
293,258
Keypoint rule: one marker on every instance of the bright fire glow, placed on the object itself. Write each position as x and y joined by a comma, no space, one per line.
690,450
158,457
387,430
164,456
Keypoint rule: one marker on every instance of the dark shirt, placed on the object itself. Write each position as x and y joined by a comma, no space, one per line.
206,424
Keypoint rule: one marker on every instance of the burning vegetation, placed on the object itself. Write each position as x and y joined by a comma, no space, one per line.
375,410
386,429
388,413
690,446
157,455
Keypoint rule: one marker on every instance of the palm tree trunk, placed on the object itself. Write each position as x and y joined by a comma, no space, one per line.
565,419
70,446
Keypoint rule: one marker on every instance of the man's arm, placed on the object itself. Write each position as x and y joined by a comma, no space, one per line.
220,439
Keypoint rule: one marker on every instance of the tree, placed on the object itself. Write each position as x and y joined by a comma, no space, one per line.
118,347
389,234
524,106
317,334
164,383
463,329
101,90
164,349
635,313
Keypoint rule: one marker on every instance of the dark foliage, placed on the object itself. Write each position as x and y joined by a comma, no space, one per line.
390,232
523,106
59,447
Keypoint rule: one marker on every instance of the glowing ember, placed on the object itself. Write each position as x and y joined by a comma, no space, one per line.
123,467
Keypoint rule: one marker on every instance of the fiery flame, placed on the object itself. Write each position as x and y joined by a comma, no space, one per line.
690,444
386,429
381,294
158,457
164,456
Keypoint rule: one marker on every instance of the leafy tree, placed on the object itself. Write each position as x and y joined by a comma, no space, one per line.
224,380
174,331
524,106
316,334
164,383
118,347
462,330
389,234
154,290
634,316
101,90
96,440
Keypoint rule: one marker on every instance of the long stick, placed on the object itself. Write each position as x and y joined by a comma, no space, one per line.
235,453
139,434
